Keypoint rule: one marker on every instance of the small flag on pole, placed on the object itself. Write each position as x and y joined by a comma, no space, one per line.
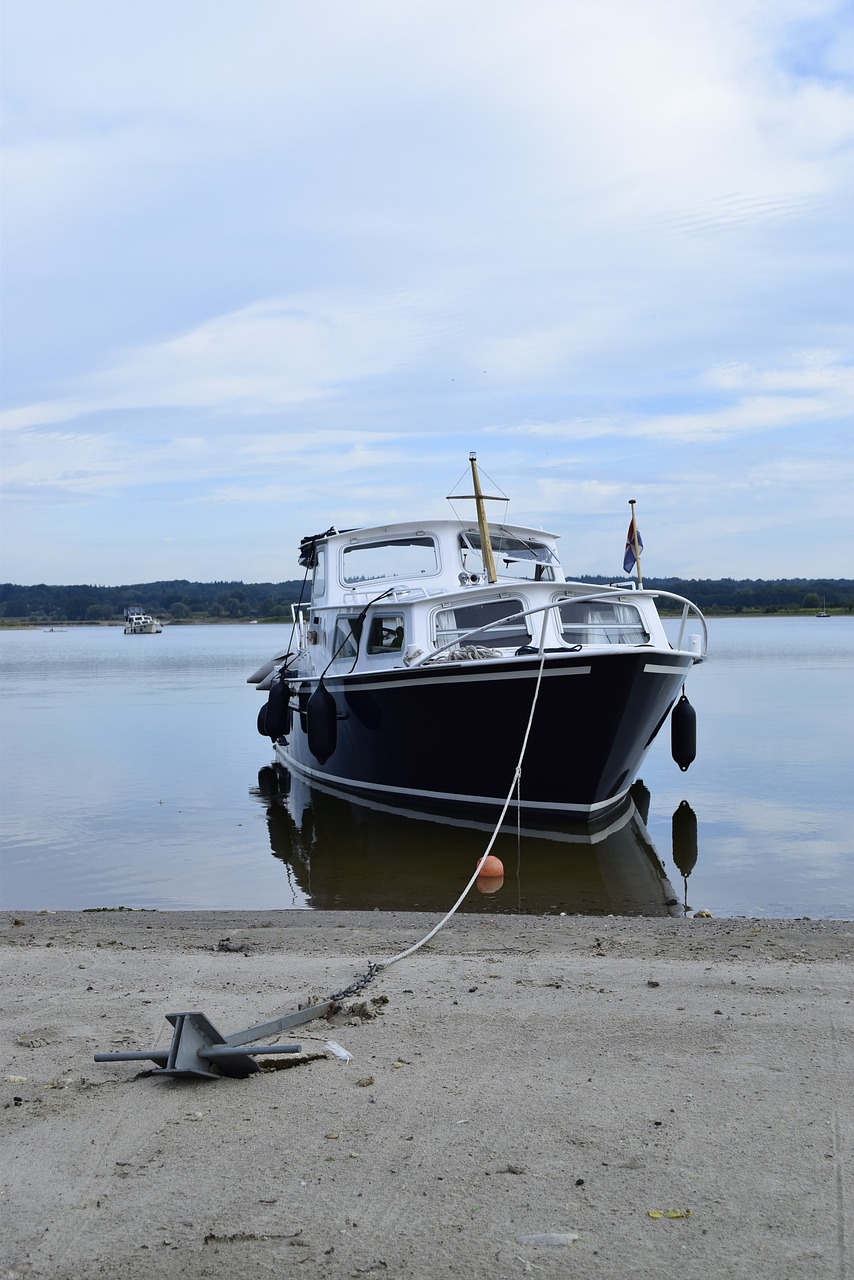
634,545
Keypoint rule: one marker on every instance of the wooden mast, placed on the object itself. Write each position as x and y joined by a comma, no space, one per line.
481,498
485,542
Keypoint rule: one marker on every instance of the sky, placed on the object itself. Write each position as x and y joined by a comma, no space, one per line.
270,266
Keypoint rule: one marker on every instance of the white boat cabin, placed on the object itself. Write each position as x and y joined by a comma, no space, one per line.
404,594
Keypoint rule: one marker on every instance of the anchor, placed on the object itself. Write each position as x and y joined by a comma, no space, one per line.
201,1052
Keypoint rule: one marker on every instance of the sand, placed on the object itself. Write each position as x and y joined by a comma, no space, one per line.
556,1096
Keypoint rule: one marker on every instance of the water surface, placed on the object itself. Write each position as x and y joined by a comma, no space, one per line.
132,774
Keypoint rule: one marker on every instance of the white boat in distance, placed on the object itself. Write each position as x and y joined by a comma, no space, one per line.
436,654
139,623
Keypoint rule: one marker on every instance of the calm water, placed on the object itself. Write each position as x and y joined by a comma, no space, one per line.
132,774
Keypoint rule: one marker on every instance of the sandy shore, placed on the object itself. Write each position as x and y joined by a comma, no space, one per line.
526,1096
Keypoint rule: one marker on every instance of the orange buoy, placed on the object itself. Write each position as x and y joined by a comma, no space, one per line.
492,866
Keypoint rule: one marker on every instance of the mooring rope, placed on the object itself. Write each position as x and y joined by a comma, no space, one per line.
376,967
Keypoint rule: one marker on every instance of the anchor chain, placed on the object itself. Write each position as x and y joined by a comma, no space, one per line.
357,985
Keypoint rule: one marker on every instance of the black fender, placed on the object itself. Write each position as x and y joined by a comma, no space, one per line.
683,733
321,716
277,722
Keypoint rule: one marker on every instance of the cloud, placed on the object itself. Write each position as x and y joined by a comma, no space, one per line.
811,370
274,353
814,387
255,251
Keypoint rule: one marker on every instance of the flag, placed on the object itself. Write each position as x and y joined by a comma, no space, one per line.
630,558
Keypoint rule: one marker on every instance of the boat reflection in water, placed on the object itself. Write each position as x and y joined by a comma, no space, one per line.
347,854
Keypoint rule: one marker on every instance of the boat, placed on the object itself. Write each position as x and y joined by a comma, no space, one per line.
139,623
450,663
823,611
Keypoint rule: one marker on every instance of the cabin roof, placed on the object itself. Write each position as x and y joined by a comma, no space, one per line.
441,527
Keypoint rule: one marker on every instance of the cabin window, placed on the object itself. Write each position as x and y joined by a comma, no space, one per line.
601,622
412,557
319,582
513,556
453,625
386,633
345,643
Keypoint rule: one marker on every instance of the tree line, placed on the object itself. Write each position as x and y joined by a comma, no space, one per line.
178,601
183,601
755,595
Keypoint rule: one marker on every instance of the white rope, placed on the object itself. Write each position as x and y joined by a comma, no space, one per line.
384,964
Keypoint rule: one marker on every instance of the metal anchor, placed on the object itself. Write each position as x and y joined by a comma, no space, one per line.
199,1051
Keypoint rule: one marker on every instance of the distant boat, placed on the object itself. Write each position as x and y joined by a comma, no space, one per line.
823,613
48,630
138,623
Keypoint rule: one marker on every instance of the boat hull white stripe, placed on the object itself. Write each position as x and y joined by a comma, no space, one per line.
461,675
445,797
376,681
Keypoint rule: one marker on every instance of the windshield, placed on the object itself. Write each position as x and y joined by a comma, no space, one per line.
514,558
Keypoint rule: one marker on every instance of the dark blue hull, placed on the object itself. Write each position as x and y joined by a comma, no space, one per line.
452,735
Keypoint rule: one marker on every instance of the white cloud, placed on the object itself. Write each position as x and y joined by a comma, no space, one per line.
274,353
813,370
749,415
607,243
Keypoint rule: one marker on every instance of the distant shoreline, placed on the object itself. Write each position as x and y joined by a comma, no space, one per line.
23,624
26,625
182,603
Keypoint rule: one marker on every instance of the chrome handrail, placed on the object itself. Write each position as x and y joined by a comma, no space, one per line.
610,595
